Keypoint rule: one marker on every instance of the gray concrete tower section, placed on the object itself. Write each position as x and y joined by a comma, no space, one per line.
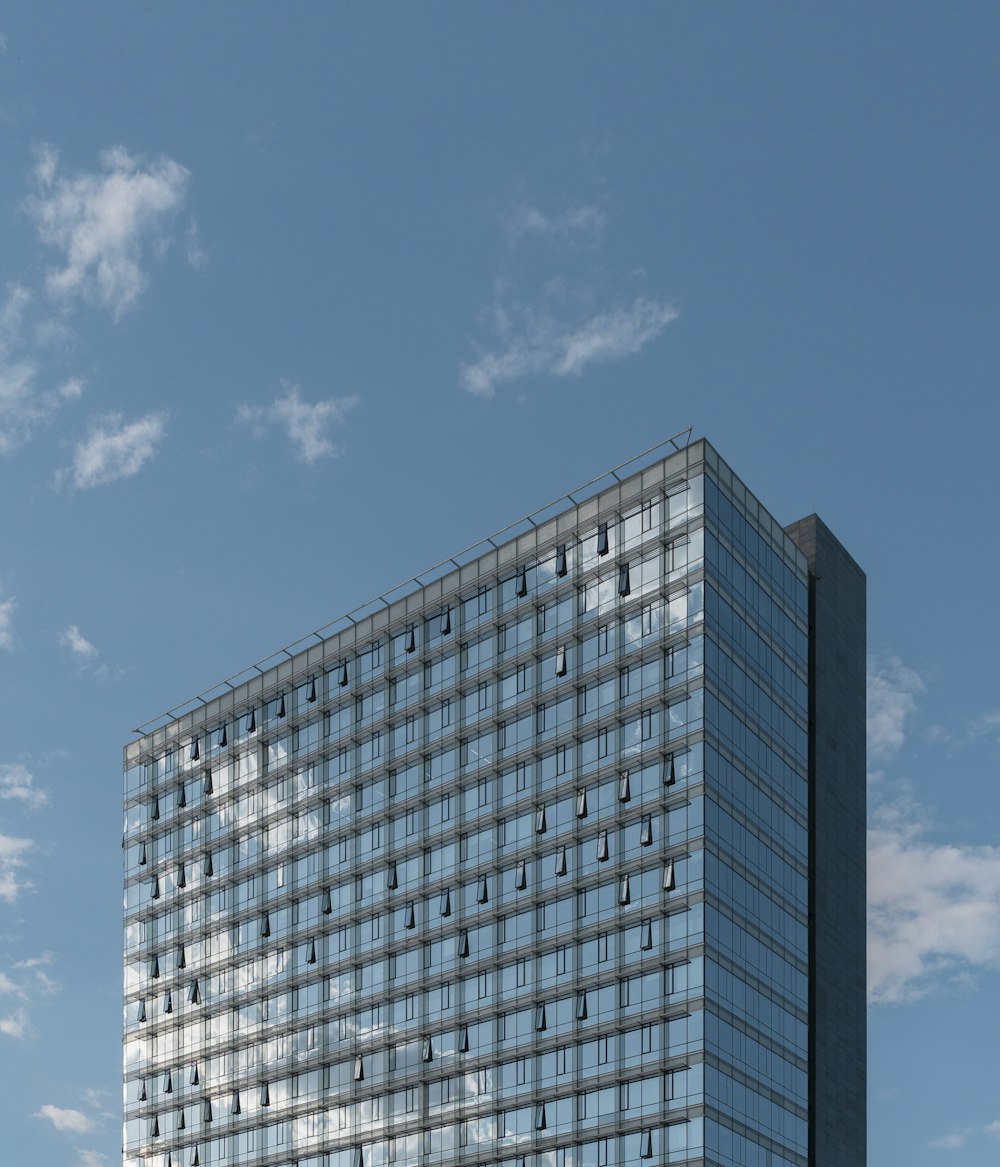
837,806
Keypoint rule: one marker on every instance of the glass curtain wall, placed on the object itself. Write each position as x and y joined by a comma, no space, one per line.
521,880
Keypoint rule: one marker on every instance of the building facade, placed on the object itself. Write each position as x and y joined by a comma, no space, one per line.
553,857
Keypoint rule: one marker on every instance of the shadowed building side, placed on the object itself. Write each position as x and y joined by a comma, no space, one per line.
837,866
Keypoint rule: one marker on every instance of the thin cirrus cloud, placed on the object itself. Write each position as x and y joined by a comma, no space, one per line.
7,623
956,1139
14,854
933,907
37,978
10,987
19,408
951,1141
893,689
88,656
104,223
78,644
583,223
306,424
65,1119
17,784
24,404
114,449
29,979
544,345
91,1158
547,319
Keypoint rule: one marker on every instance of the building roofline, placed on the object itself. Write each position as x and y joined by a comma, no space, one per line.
381,602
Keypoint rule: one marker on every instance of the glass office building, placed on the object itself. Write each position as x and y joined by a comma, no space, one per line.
552,857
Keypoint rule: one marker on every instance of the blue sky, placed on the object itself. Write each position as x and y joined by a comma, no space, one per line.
295,302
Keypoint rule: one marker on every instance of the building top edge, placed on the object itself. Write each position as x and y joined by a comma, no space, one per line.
603,494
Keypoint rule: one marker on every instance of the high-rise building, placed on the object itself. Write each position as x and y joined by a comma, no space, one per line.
551,857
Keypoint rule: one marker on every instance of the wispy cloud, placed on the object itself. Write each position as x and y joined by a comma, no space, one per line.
91,1159
893,689
7,622
20,407
77,643
101,1103
114,449
973,730
553,314
9,987
72,388
950,1142
15,1024
12,314
17,783
104,223
583,222
306,424
13,856
34,962
24,982
36,978
196,255
88,656
64,1119
545,345
24,404
956,1139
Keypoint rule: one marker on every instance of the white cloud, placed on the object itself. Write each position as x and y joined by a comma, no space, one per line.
91,1159
933,912
933,907
24,405
305,424
950,1142
13,855
9,986
21,408
17,783
585,221
545,345
14,1024
65,1119
87,656
102,1104
196,256
557,322
42,961
103,222
46,984
27,981
114,449
71,389
12,314
77,643
7,623
40,979
892,697
992,1128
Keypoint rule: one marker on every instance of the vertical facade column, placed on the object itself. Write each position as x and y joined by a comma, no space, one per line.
837,864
